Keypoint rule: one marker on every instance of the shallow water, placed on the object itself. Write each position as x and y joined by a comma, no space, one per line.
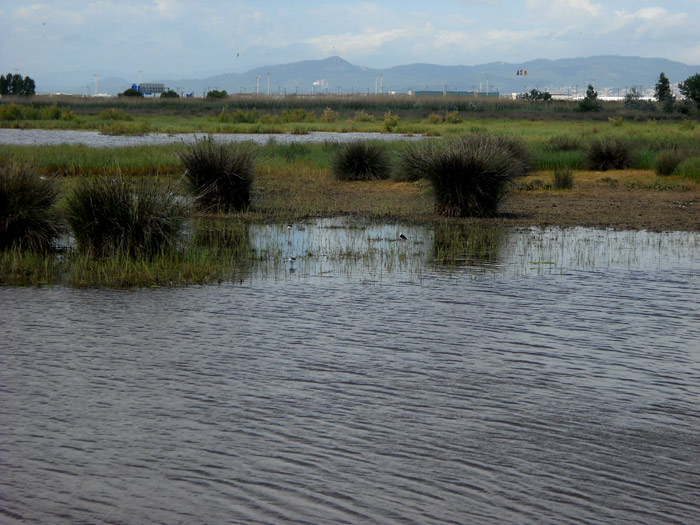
556,380
44,137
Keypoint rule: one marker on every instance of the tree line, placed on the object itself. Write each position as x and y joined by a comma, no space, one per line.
16,85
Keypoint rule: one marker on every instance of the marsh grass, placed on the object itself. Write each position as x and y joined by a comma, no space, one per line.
470,175
609,153
667,162
28,215
563,178
110,216
219,175
361,160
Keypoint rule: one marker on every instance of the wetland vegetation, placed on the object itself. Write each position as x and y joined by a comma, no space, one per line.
619,168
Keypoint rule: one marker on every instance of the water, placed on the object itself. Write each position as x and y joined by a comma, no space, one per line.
555,381
44,137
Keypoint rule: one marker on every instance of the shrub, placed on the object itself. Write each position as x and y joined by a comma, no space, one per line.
108,216
563,178
28,217
435,118
363,116
390,121
667,162
453,117
687,125
329,115
297,115
361,160
609,154
219,175
470,175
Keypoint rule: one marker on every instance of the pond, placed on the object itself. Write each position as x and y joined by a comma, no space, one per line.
44,137
524,376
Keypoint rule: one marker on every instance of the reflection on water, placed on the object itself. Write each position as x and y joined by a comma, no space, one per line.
45,137
554,378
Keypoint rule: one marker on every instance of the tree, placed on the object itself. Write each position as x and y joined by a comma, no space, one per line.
664,94
691,88
662,90
169,94
131,92
16,85
215,93
590,102
536,94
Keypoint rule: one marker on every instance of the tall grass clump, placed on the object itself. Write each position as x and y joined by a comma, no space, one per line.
609,154
563,178
111,217
470,175
28,216
361,160
219,175
667,162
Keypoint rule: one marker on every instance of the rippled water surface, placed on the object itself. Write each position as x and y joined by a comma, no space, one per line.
556,382
43,137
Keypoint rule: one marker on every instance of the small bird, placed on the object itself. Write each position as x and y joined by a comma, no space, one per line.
403,237
289,226
292,259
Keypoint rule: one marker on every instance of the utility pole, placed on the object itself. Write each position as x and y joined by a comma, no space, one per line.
268,83
375,85
381,83
257,84
95,75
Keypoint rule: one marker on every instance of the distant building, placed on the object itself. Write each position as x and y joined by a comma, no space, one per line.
149,88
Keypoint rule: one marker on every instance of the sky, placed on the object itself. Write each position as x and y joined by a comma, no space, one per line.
196,38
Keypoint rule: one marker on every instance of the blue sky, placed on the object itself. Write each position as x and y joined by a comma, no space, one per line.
191,38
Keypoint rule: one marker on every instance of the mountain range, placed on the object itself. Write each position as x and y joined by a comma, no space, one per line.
334,74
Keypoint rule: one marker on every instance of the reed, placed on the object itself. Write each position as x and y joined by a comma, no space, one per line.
219,175
110,216
28,216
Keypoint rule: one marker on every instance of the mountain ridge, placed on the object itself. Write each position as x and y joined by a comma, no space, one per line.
335,74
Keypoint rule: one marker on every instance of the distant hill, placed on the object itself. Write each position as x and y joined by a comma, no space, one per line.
335,74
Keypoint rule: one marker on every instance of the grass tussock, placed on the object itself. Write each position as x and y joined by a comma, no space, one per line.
469,175
361,160
219,175
563,178
609,154
667,162
109,216
28,216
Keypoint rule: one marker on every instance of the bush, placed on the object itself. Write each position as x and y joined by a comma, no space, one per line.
28,218
453,117
470,175
361,160
563,178
609,154
108,216
330,116
363,116
435,118
667,162
219,175
390,121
